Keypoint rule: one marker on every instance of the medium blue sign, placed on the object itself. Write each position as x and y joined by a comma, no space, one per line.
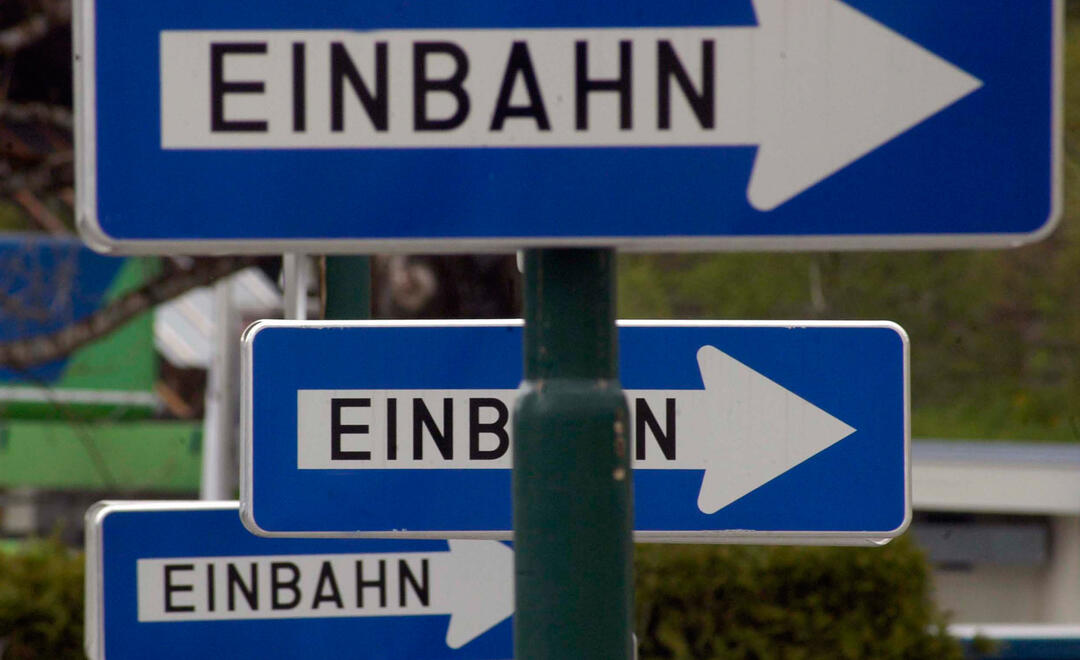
186,580
481,125
790,432
49,283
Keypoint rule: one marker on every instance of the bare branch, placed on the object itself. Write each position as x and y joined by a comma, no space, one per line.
173,401
26,353
58,11
41,214
41,113
54,172
23,34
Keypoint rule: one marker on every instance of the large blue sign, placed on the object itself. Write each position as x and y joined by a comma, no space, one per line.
772,432
185,580
480,125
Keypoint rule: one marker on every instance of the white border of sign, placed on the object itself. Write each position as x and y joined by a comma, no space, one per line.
94,580
92,233
247,495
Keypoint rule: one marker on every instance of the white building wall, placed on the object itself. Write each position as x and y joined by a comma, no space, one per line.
1006,479
990,594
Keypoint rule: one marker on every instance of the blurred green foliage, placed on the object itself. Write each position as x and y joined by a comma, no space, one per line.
700,602
994,335
744,603
41,602
12,219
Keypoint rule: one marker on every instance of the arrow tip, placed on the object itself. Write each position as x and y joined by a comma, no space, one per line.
836,86
767,429
483,589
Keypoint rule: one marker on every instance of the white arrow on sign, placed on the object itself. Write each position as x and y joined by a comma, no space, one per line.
815,85
472,582
841,85
759,430
742,430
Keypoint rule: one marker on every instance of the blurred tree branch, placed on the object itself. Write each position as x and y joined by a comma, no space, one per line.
23,34
41,17
37,174
41,113
32,351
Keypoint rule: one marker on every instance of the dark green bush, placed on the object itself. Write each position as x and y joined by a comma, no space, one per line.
699,602
742,602
41,602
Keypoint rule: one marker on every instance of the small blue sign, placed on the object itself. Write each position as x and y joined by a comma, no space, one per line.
181,580
787,432
211,126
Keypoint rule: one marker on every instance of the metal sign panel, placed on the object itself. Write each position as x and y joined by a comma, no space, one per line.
479,125
49,284
764,432
185,580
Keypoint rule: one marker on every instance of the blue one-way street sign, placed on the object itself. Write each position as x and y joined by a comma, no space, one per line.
171,580
208,126
793,432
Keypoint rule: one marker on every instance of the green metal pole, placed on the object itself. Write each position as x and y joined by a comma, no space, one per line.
347,287
572,483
